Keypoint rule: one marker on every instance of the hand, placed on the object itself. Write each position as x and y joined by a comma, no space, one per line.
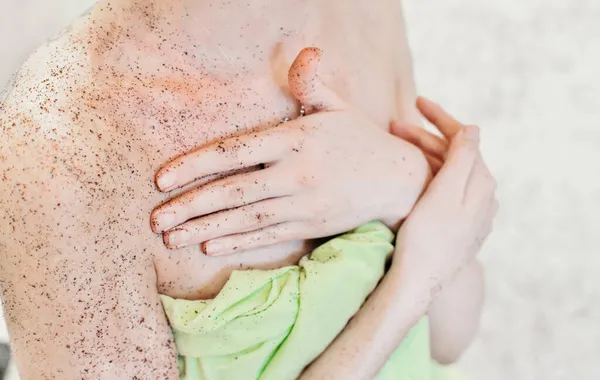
434,147
454,217
325,173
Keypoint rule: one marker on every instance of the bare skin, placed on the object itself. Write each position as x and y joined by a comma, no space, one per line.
305,192
458,208
326,172
93,116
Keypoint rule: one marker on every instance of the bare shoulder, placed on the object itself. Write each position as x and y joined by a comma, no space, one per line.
35,110
42,136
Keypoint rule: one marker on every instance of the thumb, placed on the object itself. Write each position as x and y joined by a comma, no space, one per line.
460,160
307,87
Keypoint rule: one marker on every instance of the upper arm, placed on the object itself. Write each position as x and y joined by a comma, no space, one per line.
80,302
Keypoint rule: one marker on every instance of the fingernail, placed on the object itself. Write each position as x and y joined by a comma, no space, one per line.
318,52
177,237
164,221
212,248
166,180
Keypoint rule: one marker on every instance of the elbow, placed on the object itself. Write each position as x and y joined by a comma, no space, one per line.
455,316
449,348
448,354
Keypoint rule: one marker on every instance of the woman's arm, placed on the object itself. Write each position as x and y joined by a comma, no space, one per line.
456,311
457,209
394,308
80,300
375,332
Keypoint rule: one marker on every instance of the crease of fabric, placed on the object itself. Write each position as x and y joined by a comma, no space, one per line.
271,324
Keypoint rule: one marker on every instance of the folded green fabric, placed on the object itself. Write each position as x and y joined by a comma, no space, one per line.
272,324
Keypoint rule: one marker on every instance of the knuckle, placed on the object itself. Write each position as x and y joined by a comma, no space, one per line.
233,192
195,226
268,236
256,216
191,165
252,220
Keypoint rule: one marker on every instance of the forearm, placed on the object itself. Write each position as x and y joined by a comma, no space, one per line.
455,313
375,332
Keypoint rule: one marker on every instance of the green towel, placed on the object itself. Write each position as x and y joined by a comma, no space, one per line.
272,324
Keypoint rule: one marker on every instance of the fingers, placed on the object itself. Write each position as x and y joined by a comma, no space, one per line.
434,163
429,143
256,239
224,194
229,154
461,158
307,87
243,219
437,116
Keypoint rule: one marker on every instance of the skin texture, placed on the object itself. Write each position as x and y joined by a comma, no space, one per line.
458,208
455,312
327,173
253,217
93,116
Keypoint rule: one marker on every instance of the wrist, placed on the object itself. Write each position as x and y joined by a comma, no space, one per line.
413,277
413,291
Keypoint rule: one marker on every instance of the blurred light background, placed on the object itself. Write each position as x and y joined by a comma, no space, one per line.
528,73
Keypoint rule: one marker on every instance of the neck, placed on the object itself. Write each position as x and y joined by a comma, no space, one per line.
199,36
229,25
